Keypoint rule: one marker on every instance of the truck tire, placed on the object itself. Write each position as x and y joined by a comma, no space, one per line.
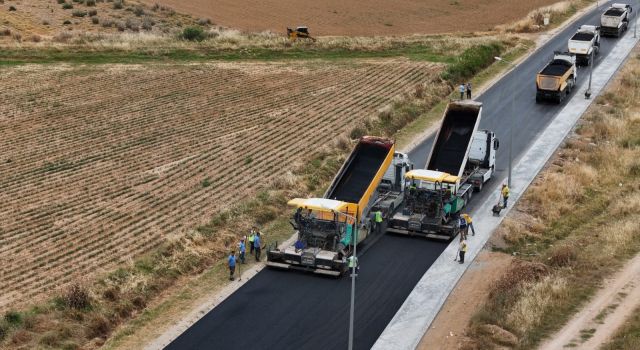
538,98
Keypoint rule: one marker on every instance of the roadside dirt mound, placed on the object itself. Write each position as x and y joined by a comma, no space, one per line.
375,17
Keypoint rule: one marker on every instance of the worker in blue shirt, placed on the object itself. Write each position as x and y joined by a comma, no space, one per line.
232,265
243,248
256,245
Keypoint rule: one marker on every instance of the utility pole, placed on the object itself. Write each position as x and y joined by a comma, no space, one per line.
354,258
513,116
587,94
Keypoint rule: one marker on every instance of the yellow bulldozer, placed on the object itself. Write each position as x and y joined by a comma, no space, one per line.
299,33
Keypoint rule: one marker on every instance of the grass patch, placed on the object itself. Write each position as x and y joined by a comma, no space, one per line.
578,219
628,336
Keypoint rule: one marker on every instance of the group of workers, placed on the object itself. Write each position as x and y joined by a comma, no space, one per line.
466,224
465,88
255,242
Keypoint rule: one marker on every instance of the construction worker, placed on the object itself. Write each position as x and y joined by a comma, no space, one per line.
462,224
232,265
299,245
505,195
377,219
252,237
353,261
468,90
463,250
256,245
242,248
469,222
462,89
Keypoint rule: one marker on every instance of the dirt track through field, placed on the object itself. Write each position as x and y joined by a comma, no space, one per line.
604,314
100,164
364,18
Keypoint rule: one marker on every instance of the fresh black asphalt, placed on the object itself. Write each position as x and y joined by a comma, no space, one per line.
290,310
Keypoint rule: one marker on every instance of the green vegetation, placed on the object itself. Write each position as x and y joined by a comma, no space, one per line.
472,61
193,34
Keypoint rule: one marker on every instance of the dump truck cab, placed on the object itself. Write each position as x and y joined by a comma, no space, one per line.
615,20
585,43
557,79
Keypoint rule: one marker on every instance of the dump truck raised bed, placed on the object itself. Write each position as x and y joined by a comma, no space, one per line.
585,43
462,160
327,228
615,20
556,80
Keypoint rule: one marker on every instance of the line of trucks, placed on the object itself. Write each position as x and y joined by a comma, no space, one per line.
558,78
375,177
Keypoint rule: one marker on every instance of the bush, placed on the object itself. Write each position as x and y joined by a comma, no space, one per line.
67,6
120,26
118,5
98,327
66,22
79,13
138,11
193,34
147,23
77,297
95,20
204,21
12,8
107,22
13,318
93,13
472,61
563,256
132,24
61,1
91,3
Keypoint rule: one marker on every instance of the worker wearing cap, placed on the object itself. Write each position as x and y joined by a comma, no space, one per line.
232,265
467,218
462,224
505,194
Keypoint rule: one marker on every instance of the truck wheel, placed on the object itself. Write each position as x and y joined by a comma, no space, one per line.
538,99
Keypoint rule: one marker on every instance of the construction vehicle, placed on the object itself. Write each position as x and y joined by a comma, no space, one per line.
556,80
462,159
585,44
615,20
299,33
327,228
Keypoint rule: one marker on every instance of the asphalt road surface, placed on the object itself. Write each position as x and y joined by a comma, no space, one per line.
290,310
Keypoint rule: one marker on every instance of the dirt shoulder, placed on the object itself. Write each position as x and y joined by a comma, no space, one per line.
447,330
573,229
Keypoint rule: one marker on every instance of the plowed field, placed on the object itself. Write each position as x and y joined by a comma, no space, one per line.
100,163
351,17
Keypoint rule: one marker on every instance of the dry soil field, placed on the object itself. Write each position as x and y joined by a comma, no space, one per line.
351,17
100,163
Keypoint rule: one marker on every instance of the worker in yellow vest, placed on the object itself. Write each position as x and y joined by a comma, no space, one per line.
505,194
467,218
252,237
377,219
463,250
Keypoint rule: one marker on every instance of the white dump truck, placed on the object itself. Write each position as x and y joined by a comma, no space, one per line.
615,20
585,44
462,160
